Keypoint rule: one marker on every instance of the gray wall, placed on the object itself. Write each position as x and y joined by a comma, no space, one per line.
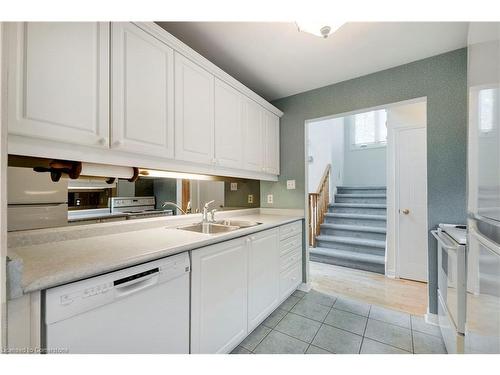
363,167
443,80
239,198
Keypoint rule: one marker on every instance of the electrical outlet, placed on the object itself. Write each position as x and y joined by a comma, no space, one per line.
234,186
270,198
290,184
250,198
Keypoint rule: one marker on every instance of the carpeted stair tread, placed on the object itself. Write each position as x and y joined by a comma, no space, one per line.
356,195
352,241
356,216
354,228
358,205
349,255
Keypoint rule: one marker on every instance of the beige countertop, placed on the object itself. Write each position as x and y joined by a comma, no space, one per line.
48,264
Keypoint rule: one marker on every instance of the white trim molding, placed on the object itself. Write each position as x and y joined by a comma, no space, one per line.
431,318
3,197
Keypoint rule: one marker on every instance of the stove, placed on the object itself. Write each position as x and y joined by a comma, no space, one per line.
137,207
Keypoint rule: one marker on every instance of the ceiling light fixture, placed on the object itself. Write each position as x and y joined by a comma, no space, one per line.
321,29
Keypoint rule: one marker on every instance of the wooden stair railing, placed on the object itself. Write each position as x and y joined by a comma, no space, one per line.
318,206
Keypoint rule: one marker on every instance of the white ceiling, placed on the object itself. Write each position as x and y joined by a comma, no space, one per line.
275,60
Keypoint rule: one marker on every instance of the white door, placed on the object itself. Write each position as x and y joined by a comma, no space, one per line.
59,81
263,276
253,146
219,297
411,200
194,112
142,94
228,126
272,143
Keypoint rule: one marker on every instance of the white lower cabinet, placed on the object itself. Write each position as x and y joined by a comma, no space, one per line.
219,297
235,285
290,258
263,276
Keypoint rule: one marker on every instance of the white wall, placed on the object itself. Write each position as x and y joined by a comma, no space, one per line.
326,146
363,167
397,116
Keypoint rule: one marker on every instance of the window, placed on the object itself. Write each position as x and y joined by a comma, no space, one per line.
368,130
488,110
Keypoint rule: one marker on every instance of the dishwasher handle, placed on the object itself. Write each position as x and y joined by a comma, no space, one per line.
135,283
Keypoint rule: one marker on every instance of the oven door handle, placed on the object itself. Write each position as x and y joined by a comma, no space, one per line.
441,241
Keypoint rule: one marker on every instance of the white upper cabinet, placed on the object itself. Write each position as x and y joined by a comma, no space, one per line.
253,147
272,143
228,126
131,94
59,81
194,112
263,278
142,92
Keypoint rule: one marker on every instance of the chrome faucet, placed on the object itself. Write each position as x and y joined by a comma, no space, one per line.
176,206
205,212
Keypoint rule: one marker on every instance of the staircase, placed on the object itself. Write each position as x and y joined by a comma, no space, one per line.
354,229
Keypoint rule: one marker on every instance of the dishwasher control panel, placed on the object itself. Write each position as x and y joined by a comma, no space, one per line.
68,300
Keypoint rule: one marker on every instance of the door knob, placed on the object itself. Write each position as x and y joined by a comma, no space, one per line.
406,211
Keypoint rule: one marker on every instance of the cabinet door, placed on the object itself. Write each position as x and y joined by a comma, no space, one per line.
253,130
142,114
263,276
272,143
59,81
228,125
219,297
194,112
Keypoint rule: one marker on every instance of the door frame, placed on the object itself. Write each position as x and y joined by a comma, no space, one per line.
393,254
306,274
3,193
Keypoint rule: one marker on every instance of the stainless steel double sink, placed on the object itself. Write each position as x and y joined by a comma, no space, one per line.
219,226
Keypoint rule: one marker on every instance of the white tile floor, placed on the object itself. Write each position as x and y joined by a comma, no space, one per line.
318,323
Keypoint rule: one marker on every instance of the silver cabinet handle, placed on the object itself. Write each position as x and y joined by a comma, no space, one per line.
406,211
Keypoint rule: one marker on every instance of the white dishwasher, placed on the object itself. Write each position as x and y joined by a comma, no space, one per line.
141,309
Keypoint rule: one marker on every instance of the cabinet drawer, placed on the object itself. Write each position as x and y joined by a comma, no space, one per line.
290,280
290,243
290,230
292,257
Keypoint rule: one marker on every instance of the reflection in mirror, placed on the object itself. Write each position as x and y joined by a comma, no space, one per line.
88,200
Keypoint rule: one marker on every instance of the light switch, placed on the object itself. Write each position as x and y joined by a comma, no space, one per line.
234,186
270,198
250,198
290,184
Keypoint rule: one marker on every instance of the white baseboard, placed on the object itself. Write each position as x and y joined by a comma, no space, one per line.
390,274
431,318
305,287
